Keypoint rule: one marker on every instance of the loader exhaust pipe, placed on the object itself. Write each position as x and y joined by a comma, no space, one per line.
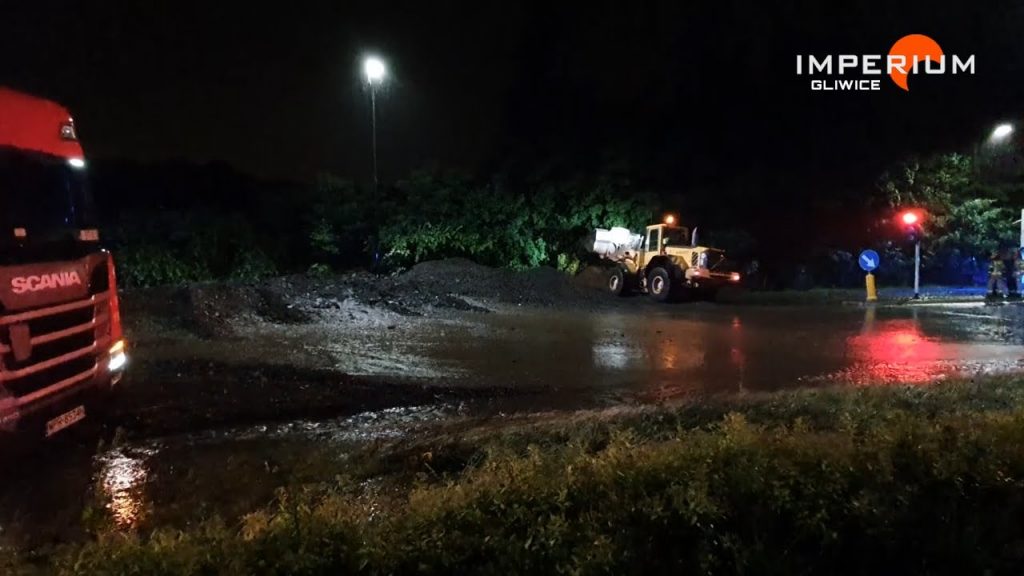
693,238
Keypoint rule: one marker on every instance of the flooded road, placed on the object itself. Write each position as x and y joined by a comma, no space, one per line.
545,359
670,351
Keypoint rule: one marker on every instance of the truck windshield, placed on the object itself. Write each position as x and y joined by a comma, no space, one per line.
43,194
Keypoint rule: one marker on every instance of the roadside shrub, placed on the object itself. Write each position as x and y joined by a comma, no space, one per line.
859,493
152,265
252,264
319,270
337,219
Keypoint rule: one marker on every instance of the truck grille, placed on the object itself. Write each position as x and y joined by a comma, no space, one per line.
64,347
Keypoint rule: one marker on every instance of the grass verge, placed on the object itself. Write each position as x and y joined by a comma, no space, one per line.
844,481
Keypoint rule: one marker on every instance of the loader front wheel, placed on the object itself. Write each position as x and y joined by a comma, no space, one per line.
617,282
659,284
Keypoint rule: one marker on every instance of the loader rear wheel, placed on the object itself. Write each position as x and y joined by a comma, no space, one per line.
659,284
617,282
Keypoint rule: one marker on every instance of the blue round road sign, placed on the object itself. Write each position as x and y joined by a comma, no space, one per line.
868,260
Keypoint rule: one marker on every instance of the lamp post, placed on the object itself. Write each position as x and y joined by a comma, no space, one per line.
911,220
374,71
999,134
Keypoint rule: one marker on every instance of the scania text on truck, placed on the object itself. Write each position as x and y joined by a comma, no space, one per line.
61,344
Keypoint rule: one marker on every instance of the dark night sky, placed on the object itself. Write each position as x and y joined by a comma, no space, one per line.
695,94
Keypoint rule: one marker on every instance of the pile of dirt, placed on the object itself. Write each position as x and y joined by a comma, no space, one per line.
345,291
451,284
206,309
455,276
218,309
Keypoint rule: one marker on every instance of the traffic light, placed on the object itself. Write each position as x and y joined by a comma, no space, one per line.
911,222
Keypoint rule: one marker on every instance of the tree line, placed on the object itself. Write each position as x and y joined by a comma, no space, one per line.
176,223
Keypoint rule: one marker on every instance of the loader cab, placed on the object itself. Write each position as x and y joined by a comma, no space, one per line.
663,236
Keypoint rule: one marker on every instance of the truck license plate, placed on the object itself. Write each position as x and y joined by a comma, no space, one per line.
64,420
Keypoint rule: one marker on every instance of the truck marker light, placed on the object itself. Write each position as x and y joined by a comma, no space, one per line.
76,163
67,131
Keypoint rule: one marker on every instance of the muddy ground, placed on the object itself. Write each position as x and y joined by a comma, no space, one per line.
218,354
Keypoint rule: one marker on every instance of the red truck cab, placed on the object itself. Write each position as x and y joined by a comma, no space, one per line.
61,344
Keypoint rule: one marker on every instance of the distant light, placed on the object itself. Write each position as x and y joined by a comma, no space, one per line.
1002,131
670,219
76,163
735,277
374,69
910,218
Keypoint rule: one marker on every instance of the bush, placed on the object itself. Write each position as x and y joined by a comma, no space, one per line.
913,481
154,264
252,264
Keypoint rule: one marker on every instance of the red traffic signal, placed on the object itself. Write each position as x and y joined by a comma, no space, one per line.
910,218
911,221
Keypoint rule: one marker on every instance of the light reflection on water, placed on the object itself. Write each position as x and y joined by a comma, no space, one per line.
896,351
122,476
664,357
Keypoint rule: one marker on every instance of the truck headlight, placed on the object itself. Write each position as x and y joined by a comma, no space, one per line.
118,358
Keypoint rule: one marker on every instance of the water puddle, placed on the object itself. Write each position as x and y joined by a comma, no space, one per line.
227,472
121,479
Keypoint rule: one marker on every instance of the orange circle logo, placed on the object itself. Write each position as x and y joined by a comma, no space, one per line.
911,49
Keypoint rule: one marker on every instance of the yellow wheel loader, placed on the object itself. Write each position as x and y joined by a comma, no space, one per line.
665,262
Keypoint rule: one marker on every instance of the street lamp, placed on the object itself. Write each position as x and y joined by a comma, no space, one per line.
1001,131
374,71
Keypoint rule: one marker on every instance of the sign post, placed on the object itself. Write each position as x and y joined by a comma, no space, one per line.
869,261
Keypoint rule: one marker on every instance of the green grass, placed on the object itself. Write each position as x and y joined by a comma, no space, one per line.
854,481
